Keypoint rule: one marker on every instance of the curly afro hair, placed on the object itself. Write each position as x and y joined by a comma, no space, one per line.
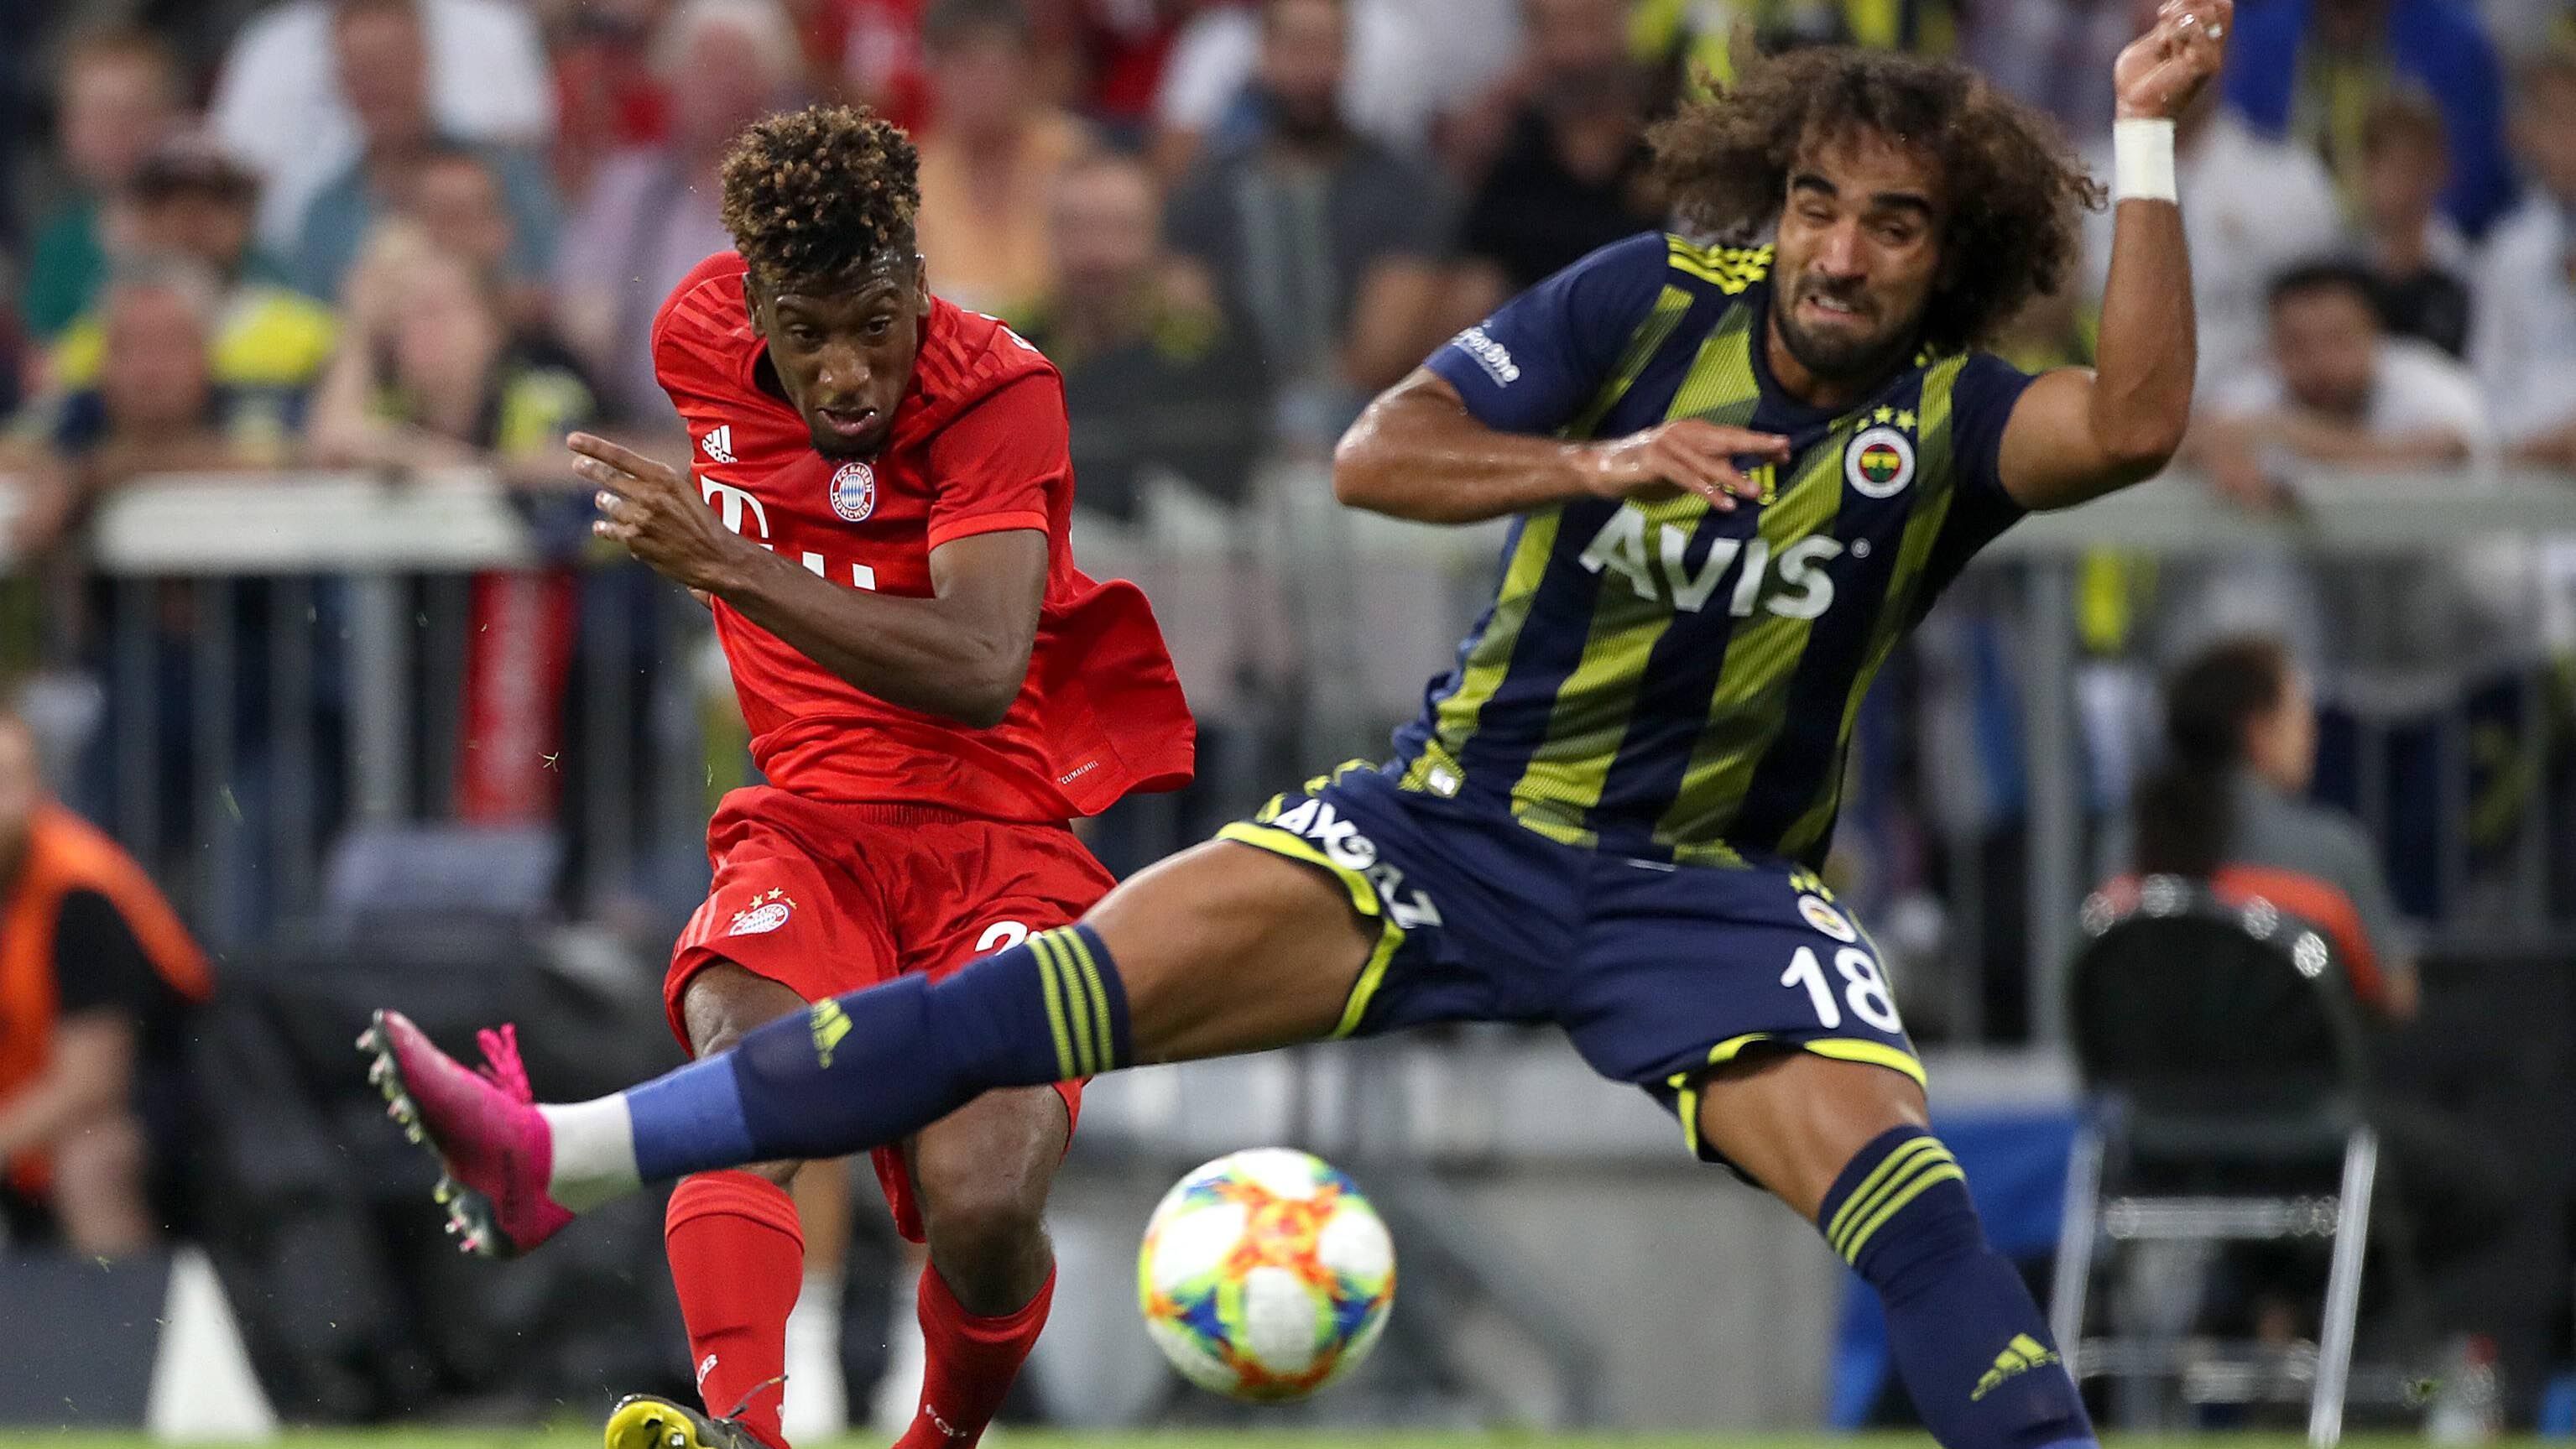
2012,231
821,194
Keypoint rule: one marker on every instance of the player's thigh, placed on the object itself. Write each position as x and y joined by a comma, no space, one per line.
1793,1120
1753,1005
1227,948
720,1005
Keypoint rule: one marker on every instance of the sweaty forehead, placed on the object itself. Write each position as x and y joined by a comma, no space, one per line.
859,290
1858,161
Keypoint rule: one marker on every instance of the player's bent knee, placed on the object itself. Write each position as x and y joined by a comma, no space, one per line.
1795,1120
721,1004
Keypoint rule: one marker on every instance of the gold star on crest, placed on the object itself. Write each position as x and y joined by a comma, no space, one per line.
1905,419
1884,414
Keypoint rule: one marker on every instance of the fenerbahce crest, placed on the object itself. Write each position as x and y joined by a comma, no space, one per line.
1879,462
854,492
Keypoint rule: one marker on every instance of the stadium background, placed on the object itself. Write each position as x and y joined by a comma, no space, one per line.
297,597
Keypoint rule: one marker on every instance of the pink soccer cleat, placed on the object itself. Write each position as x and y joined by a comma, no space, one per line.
493,1146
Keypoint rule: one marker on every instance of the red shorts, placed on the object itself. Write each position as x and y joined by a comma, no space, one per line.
825,898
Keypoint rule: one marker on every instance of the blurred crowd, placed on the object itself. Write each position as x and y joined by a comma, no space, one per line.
393,235
414,232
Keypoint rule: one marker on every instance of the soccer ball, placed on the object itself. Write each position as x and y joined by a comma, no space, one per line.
1265,1275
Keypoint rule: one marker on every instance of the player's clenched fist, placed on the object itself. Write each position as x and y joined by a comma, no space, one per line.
1688,453
650,507
2161,72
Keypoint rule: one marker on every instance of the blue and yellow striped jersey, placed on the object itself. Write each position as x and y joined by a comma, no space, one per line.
1669,681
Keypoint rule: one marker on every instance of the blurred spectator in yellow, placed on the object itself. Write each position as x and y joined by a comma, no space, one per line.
1693,36
116,97
989,164
2523,336
1571,171
383,62
2419,256
2311,70
281,103
1155,378
1333,247
2339,395
431,375
651,213
192,200
156,406
434,377
454,196
96,979
2252,207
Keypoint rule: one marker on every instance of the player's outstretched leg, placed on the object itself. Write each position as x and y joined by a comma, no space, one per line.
1224,949
1846,1145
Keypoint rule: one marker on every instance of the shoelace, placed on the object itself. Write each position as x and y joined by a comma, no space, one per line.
501,1065
755,1391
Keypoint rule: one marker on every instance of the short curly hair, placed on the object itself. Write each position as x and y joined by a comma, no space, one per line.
2012,232
821,194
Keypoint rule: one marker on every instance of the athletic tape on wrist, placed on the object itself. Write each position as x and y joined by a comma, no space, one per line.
2142,160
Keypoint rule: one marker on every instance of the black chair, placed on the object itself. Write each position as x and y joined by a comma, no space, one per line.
2224,1057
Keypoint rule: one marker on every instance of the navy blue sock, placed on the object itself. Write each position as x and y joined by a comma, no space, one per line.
1970,1344
872,1067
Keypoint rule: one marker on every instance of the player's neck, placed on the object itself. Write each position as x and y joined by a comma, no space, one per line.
1809,389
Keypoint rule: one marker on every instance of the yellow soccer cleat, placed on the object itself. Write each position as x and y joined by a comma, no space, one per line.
647,1421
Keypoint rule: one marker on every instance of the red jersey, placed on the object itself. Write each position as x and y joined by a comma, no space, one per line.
978,445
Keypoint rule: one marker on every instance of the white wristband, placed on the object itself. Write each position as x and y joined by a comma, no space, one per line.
2142,160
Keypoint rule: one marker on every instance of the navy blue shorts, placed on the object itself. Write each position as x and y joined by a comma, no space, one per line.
1657,971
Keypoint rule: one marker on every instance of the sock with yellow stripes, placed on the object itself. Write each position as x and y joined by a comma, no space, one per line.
874,1066
1969,1342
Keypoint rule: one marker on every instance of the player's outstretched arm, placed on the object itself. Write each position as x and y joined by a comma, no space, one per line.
962,653
1418,453
2076,435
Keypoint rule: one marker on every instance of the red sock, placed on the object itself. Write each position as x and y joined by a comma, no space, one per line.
737,1259
970,1363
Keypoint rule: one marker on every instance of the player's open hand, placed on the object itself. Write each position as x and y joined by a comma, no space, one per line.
2161,72
650,507
1688,454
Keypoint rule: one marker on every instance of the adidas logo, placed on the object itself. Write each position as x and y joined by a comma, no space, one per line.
2019,1357
719,444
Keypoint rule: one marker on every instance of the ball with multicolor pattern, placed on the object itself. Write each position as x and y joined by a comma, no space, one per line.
1265,1275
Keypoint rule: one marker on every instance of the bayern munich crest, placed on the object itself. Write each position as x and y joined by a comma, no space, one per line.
765,914
1879,462
854,491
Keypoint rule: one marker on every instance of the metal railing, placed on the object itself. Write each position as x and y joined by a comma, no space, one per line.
278,658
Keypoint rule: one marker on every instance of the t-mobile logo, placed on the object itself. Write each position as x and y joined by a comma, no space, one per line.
731,504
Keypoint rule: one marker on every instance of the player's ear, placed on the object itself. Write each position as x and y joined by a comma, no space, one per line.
751,304
921,281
